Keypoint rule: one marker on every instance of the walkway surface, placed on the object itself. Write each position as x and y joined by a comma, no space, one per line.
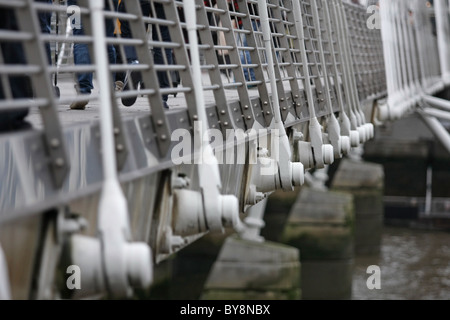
141,107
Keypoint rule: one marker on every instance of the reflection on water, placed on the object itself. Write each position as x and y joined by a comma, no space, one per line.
415,265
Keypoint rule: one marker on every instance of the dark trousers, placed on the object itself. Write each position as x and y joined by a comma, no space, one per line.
45,24
13,53
158,58
81,52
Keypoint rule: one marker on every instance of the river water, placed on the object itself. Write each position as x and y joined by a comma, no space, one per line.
414,265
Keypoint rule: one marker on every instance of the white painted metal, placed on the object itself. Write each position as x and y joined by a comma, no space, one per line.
410,49
354,134
444,115
344,122
254,222
438,130
5,291
332,123
437,102
220,210
113,263
123,264
291,173
314,153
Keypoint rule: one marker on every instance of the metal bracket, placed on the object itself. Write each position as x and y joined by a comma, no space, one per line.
279,22
237,115
256,59
35,55
181,56
150,78
205,34
311,53
244,97
301,105
213,119
119,132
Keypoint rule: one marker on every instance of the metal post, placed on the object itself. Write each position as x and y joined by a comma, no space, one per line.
443,34
438,130
5,292
304,58
121,261
333,125
254,222
321,153
437,102
290,173
267,38
219,209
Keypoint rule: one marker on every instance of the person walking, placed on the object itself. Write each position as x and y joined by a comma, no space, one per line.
158,57
81,57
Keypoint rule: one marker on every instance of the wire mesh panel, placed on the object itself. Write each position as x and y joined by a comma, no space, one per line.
285,41
411,55
154,39
339,70
288,86
298,54
312,49
250,45
360,52
229,75
149,67
426,44
26,78
335,65
376,58
327,51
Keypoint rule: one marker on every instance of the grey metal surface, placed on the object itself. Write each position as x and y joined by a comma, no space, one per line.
84,145
29,184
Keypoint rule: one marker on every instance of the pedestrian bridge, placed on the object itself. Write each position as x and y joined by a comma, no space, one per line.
115,190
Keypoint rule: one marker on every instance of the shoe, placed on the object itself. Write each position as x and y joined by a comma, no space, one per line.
137,80
79,105
57,91
118,85
165,105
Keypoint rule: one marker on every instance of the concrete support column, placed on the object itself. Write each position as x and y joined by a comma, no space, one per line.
192,265
320,225
249,270
365,181
277,210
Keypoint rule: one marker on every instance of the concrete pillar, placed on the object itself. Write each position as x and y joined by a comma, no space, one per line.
192,265
365,182
249,270
160,288
320,224
277,210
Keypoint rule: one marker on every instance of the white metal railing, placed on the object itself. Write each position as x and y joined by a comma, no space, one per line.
413,67
311,68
